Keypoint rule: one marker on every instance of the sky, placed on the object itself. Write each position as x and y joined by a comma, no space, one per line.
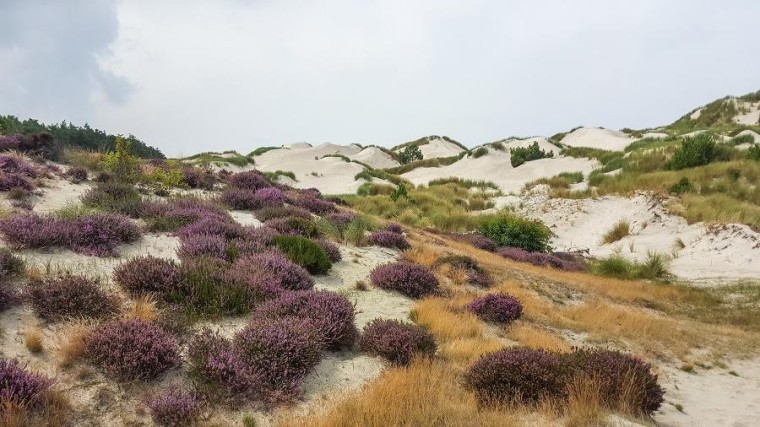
189,76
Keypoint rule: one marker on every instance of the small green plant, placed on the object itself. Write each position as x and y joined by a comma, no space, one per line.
479,152
697,151
163,178
410,154
122,163
655,266
621,229
683,185
399,192
304,252
614,266
514,231
753,153
520,155
249,420
498,145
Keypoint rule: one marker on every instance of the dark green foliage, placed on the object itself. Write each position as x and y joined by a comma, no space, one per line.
205,290
69,135
479,152
272,176
114,197
410,154
465,183
753,153
426,163
520,155
261,150
399,192
743,139
513,231
304,252
682,186
697,151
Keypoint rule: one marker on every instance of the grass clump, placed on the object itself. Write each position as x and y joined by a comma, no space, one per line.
304,252
520,155
618,231
513,231
654,267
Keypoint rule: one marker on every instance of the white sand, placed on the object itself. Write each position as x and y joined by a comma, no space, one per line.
376,158
751,117
654,135
496,167
712,255
754,134
604,139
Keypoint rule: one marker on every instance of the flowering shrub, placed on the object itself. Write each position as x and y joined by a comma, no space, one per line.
32,231
240,199
252,180
304,252
179,213
209,245
221,226
207,290
389,239
99,234
396,341
624,380
519,375
148,274
341,219
331,314
540,259
10,142
131,350
10,164
333,252
294,226
498,308
409,279
477,240
394,228
262,270
475,275
213,359
270,212
174,408
269,196
279,353
64,297
195,177
21,387
311,200
10,265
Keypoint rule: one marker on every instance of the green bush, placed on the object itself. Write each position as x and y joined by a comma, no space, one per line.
304,252
410,154
520,155
743,139
697,151
399,192
479,152
682,186
513,231
753,153
122,163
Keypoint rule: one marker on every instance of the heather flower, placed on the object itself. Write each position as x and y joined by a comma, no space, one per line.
270,212
314,205
341,219
210,245
70,296
213,358
540,259
396,341
131,350
10,142
389,239
207,289
20,387
252,180
30,230
497,308
262,268
15,165
148,274
331,314
294,226
240,199
479,241
99,234
409,279
333,252
174,408
269,196
394,228
519,375
225,227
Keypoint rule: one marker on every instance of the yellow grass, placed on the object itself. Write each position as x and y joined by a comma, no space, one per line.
33,340
445,320
535,337
464,351
424,255
144,308
71,342
584,405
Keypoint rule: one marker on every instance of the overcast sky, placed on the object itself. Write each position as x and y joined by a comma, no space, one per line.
189,76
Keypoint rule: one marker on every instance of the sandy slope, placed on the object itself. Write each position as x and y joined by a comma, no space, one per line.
604,139
751,117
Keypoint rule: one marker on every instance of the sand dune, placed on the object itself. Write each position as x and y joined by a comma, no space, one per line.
604,139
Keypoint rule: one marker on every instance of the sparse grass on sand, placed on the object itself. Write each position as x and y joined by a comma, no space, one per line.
618,231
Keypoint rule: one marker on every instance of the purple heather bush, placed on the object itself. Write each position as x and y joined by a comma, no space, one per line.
260,236
214,361
20,387
77,174
333,252
174,408
331,314
178,213
389,239
270,212
240,199
225,227
279,353
10,142
620,376
475,274
207,289
518,375
17,166
497,308
10,182
294,226
341,219
252,180
270,196
60,298
409,279
148,274
540,259
394,228
195,177
477,240
131,350
209,245
398,342
267,268
32,231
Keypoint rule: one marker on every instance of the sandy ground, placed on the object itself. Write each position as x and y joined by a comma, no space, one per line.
710,254
751,117
439,147
601,138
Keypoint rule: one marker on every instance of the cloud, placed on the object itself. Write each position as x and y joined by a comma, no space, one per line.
49,58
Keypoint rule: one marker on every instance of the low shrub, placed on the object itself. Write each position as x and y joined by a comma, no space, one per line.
517,375
396,341
614,266
269,196
293,225
313,204
270,212
262,271
213,225
557,260
174,408
131,350
409,279
331,314
8,295
394,228
21,388
195,177
333,252
618,231
10,264
304,252
252,180
696,151
477,240
207,289
240,199
114,197
497,308
77,174
514,231
520,155
279,353
148,274
682,186
753,153
475,274
215,363
625,382
60,298
389,239
341,219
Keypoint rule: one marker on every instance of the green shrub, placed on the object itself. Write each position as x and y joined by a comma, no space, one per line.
513,231
654,267
122,164
520,155
410,154
304,252
479,152
682,186
743,139
498,145
697,151
753,153
399,192
614,266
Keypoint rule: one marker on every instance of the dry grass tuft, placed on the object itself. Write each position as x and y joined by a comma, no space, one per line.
33,340
533,336
71,342
144,308
618,231
447,319
424,255
585,404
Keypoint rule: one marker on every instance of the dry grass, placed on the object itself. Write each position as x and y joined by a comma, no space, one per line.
54,413
584,405
464,351
424,255
71,342
447,319
427,393
144,308
618,231
33,340
533,336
